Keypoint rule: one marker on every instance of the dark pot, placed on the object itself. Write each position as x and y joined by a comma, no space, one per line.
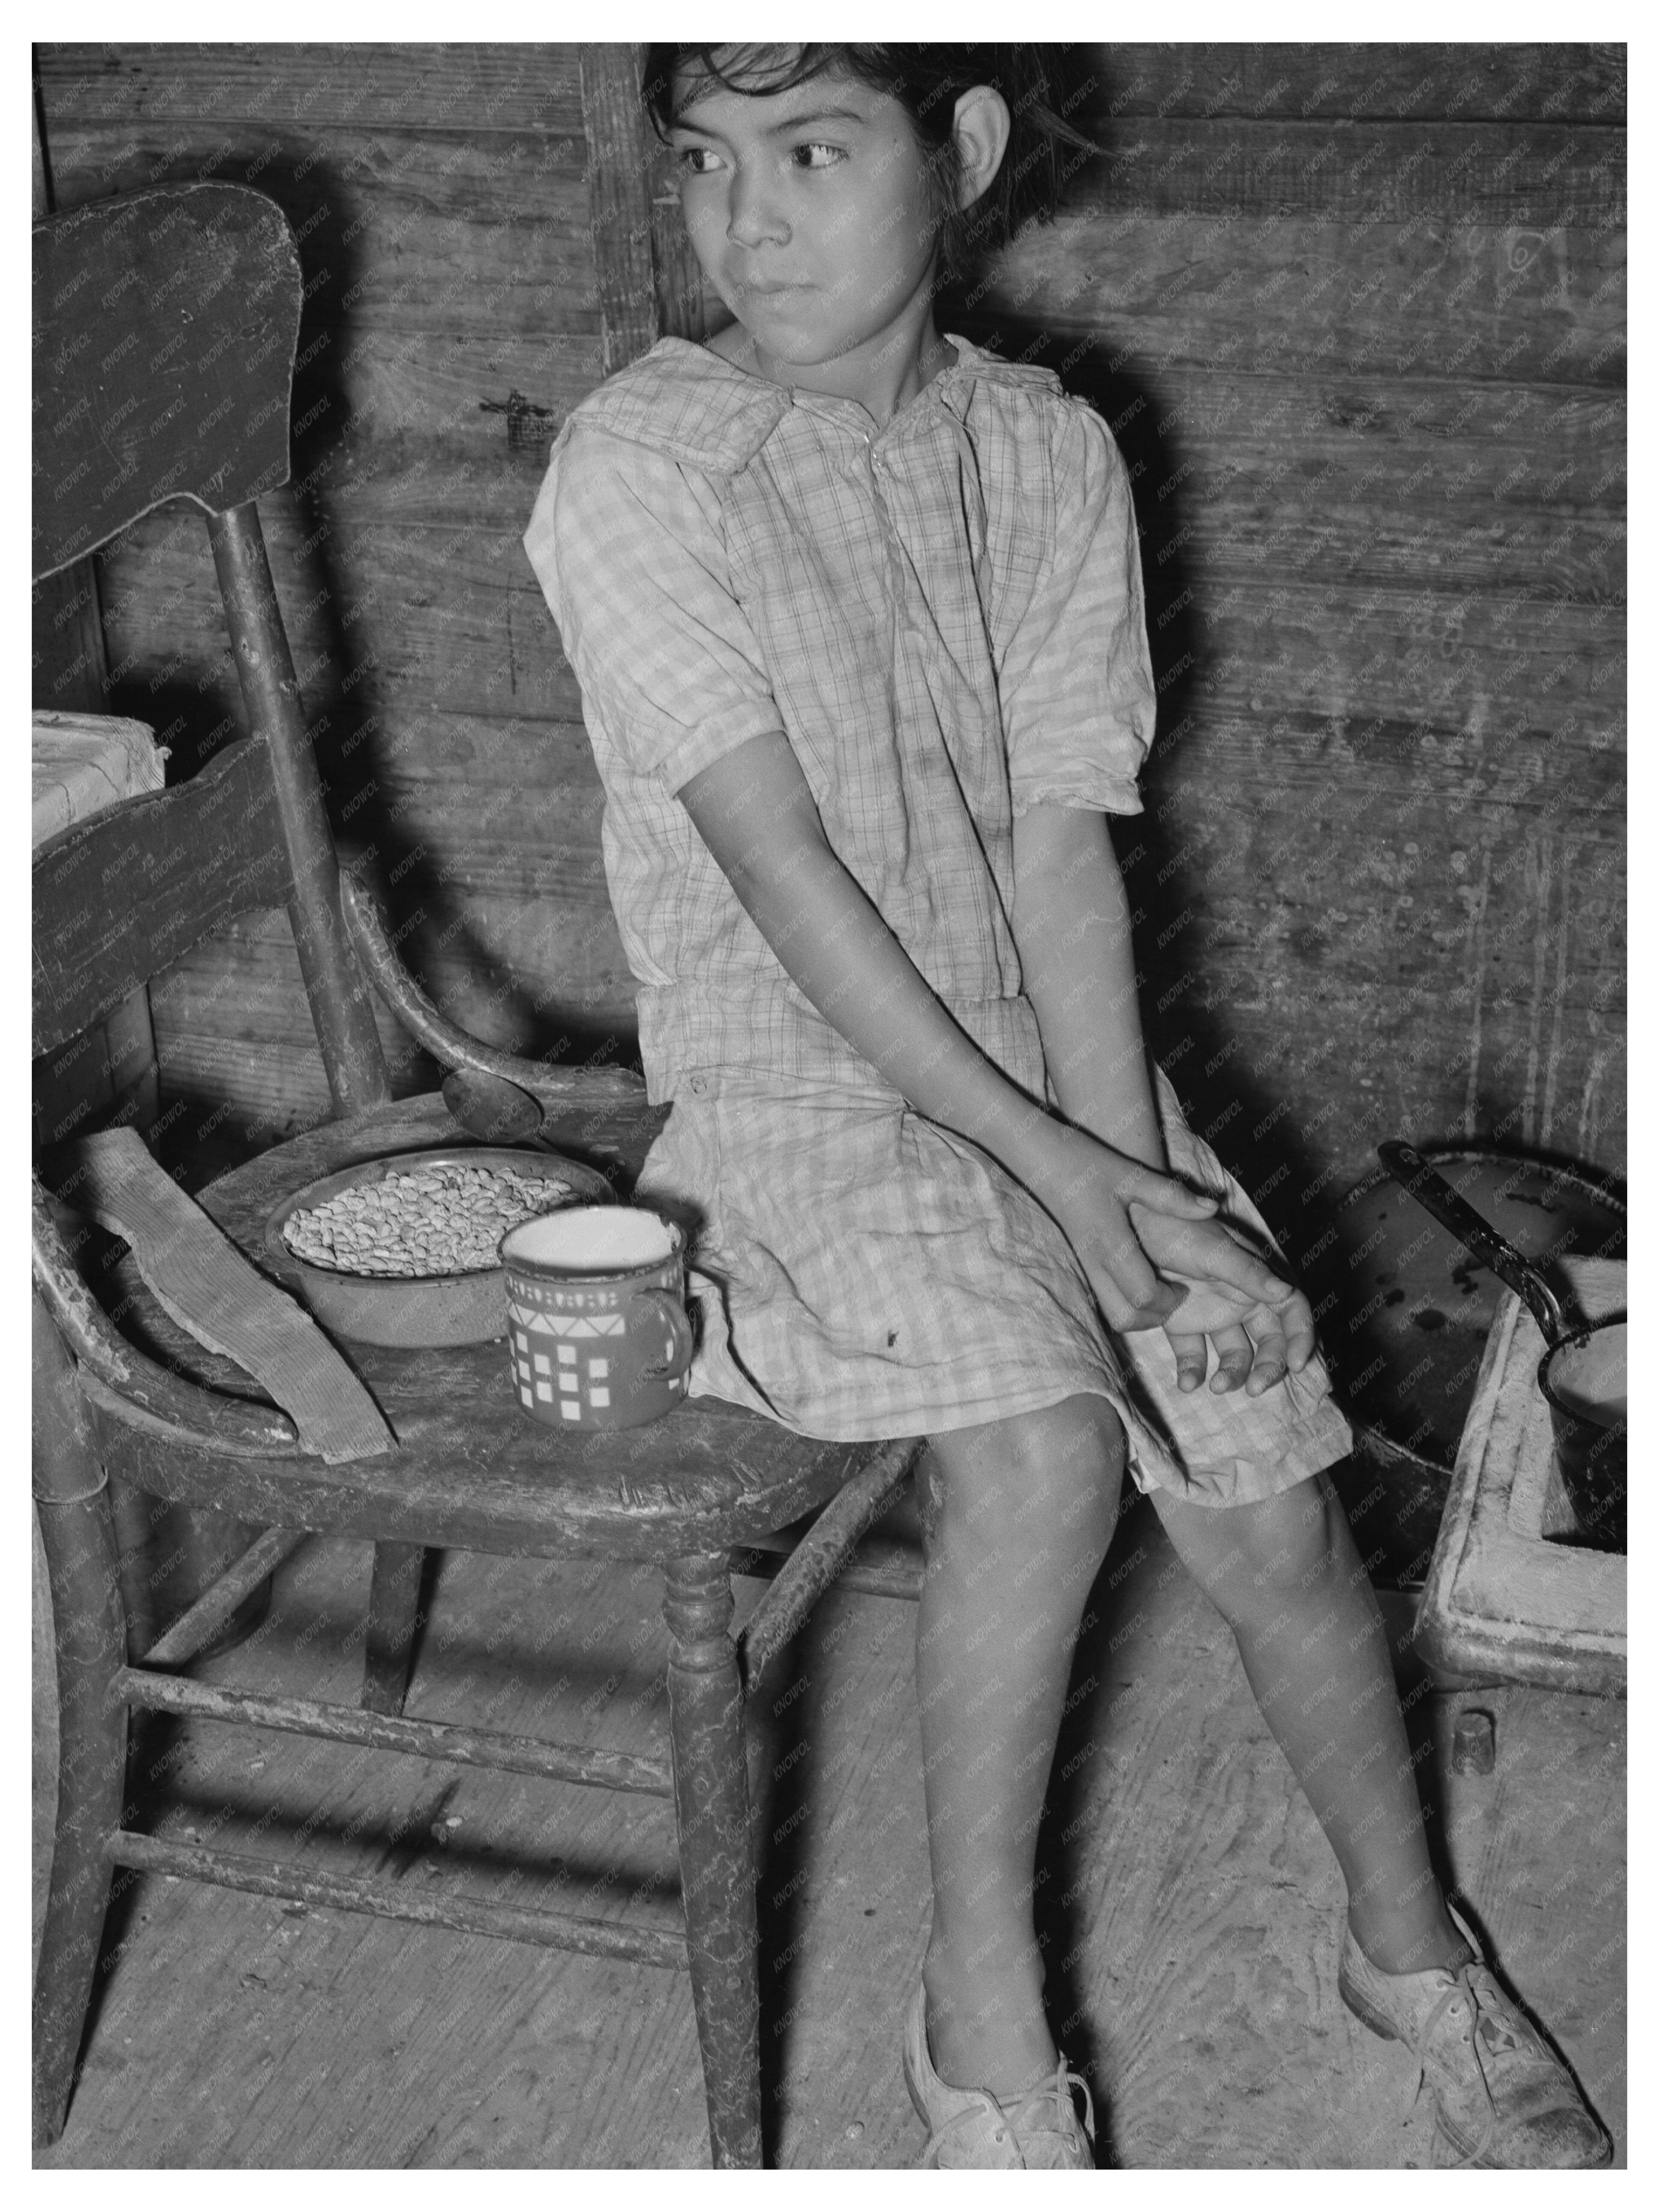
1582,1374
1584,1381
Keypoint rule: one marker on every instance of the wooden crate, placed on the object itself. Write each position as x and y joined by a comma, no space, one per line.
1504,1601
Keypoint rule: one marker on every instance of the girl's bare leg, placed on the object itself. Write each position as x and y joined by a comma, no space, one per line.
1285,1576
1017,1515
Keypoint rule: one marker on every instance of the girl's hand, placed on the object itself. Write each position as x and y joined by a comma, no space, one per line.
1260,1325
1089,1188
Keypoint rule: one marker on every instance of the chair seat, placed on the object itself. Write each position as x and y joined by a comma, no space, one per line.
471,1468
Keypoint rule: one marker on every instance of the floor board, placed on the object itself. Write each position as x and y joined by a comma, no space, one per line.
1190,1907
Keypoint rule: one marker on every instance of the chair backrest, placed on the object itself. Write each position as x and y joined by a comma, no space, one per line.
165,330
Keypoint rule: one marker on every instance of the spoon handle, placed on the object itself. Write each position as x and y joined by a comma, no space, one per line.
1453,1212
489,1107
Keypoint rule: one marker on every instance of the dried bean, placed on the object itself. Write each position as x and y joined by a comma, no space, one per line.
443,1221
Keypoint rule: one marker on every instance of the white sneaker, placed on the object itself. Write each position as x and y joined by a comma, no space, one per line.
970,2128
1502,2096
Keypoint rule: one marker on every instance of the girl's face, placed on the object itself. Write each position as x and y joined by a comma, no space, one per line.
810,211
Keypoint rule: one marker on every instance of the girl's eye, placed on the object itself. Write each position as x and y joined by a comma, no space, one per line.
690,158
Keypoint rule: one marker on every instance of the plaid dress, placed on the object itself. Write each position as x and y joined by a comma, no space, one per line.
944,618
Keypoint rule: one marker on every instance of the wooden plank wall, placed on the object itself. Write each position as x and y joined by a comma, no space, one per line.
1356,315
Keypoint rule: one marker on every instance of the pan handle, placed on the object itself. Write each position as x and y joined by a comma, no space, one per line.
1453,1212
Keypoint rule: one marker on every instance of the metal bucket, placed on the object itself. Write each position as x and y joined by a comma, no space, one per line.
1582,1374
1404,1314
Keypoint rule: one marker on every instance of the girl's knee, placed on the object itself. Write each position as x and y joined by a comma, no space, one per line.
1285,1544
1074,1473
1048,1479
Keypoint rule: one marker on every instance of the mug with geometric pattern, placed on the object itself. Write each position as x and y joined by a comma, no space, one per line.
596,1316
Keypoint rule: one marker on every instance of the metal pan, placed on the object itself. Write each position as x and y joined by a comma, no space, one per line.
418,1312
1582,1374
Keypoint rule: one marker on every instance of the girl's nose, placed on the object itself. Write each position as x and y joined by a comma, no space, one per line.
753,216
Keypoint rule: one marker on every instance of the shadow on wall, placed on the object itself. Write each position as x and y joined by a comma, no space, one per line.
1166,891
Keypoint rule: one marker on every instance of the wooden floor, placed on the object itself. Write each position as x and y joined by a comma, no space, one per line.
1191,1908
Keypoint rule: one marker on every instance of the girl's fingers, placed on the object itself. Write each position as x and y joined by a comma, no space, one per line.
1135,1280
1242,1270
1258,1357
1125,1283
1236,1355
1192,1360
1297,1317
1209,1251
1256,1278
1271,1351
1131,1293
1161,1193
1123,1313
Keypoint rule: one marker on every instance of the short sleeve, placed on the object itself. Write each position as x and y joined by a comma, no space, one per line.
1074,675
628,547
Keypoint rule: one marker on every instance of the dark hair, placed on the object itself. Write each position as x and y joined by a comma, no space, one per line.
927,81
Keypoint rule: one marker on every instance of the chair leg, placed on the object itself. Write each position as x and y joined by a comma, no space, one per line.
717,1867
90,1638
394,1597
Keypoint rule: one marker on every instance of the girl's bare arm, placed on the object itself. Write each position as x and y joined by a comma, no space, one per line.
1072,928
756,813
1076,961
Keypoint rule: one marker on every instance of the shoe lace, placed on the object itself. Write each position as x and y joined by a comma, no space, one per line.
1483,2028
1060,2090
1003,2130
986,2106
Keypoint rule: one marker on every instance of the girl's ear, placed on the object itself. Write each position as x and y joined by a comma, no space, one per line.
980,126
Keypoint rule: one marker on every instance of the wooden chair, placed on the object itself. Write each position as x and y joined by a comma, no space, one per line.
165,333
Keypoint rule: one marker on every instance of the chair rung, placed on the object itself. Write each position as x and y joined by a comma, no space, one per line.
465,1746
474,1916
196,1628
890,1570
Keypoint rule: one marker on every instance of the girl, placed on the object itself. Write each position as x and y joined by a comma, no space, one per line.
856,613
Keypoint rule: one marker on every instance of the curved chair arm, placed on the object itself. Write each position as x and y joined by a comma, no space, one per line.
209,1419
451,1047
819,1557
